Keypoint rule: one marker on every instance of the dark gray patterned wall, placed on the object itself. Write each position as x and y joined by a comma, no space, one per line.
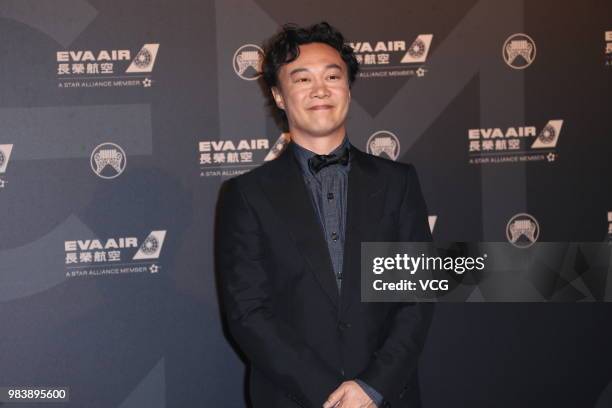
112,152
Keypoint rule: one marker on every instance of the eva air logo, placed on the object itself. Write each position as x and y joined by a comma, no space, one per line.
548,137
151,246
418,50
144,60
5,155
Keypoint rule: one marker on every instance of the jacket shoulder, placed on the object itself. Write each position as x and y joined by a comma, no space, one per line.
387,166
252,177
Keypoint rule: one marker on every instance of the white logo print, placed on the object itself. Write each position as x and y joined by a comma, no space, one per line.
608,48
432,222
278,147
5,155
514,143
522,230
418,50
548,137
151,246
384,141
247,62
108,160
144,60
519,51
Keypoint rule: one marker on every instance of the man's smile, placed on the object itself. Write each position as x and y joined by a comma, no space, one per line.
321,107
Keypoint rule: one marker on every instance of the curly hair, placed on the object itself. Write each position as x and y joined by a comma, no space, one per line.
283,48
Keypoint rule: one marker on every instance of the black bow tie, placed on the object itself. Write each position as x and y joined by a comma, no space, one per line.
319,161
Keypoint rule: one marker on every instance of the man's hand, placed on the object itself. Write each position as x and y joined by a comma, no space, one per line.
349,395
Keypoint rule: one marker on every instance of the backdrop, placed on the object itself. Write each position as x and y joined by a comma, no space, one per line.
119,120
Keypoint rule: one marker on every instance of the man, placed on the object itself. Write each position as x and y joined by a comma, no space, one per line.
288,245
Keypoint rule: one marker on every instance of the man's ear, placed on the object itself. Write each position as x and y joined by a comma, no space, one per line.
278,98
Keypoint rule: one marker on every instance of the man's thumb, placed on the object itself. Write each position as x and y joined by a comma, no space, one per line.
334,397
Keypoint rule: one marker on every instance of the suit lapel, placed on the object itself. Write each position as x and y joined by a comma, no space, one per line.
365,202
289,196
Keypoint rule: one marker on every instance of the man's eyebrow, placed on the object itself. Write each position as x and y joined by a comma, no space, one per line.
333,66
297,70
328,66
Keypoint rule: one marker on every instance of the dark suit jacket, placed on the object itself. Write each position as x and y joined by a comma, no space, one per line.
279,294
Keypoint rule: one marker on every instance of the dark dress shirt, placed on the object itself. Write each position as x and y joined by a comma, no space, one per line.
328,190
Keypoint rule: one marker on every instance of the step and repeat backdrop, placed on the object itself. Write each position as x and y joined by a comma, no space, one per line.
120,120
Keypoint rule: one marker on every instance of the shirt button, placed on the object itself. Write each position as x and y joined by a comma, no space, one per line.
330,196
334,236
343,325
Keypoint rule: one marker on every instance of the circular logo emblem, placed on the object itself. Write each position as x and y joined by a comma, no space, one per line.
417,49
522,230
143,58
547,135
519,51
247,62
150,245
108,160
385,142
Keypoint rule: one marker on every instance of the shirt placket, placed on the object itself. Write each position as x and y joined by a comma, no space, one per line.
331,214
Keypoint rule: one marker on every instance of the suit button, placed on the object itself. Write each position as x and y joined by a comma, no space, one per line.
330,196
334,236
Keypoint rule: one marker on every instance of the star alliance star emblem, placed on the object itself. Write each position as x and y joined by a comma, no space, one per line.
421,72
153,268
146,83
551,157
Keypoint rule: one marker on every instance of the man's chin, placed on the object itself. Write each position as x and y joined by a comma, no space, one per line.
322,133
324,130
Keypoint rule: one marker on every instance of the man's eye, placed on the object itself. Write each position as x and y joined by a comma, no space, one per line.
334,77
302,80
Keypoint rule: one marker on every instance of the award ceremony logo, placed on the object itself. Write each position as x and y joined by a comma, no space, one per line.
384,144
522,230
247,62
519,51
108,160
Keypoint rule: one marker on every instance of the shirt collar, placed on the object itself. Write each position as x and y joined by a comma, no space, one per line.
302,154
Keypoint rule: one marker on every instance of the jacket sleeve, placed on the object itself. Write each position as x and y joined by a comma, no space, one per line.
394,364
268,342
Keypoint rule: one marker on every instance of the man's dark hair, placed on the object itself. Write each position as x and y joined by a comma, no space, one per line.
283,48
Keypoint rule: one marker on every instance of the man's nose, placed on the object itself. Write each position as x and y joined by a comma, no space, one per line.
319,89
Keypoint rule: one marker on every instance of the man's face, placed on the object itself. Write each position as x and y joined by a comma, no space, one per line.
314,92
